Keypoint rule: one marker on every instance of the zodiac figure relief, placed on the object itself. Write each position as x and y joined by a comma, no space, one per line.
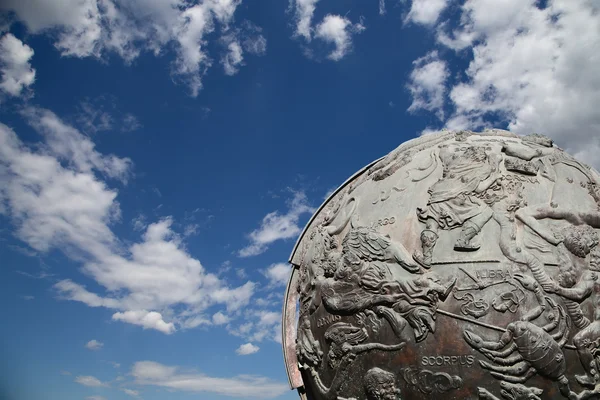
346,341
586,340
528,311
526,349
512,391
368,244
453,200
358,285
429,382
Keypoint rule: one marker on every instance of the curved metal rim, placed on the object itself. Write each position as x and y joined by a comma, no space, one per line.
336,191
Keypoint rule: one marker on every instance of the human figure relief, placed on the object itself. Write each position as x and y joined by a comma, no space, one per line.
381,385
453,200
358,285
587,341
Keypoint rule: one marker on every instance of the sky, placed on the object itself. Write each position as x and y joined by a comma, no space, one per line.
159,158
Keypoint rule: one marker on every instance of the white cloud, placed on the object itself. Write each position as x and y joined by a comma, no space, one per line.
534,68
276,226
304,12
15,68
333,29
278,274
338,30
381,7
426,12
68,144
219,318
94,345
91,381
153,373
139,223
27,297
233,58
427,84
96,28
146,319
192,60
246,349
260,325
56,199
95,398
131,392
249,39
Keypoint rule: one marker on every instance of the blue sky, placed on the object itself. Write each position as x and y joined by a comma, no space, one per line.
158,159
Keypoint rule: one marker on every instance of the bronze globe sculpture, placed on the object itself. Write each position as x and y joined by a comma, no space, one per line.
461,264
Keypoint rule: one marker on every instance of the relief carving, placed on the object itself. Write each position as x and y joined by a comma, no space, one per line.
512,391
431,382
453,200
518,222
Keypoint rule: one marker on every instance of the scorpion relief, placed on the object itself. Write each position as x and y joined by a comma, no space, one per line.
461,264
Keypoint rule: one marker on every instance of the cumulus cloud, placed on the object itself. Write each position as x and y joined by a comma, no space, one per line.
427,84
155,374
94,345
276,226
56,199
91,381
533,69
426,12
131,392
259,325
233,58
97,28
304,11
278,274
219,318
246,349
146,319
15,68
333,29
338,30
68,144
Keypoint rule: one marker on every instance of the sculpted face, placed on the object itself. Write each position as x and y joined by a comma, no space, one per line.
381,385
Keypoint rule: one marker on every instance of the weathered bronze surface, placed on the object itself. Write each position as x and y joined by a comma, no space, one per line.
462,265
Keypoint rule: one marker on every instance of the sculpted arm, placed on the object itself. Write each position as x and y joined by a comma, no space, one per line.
494,160
578,293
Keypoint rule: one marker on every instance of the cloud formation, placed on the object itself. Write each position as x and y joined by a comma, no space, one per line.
246,349
533,69
15,68
338,30
333,29
97,28
90,381
94,345
276,226
56,199
426,12
427,84
278,274
156,374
